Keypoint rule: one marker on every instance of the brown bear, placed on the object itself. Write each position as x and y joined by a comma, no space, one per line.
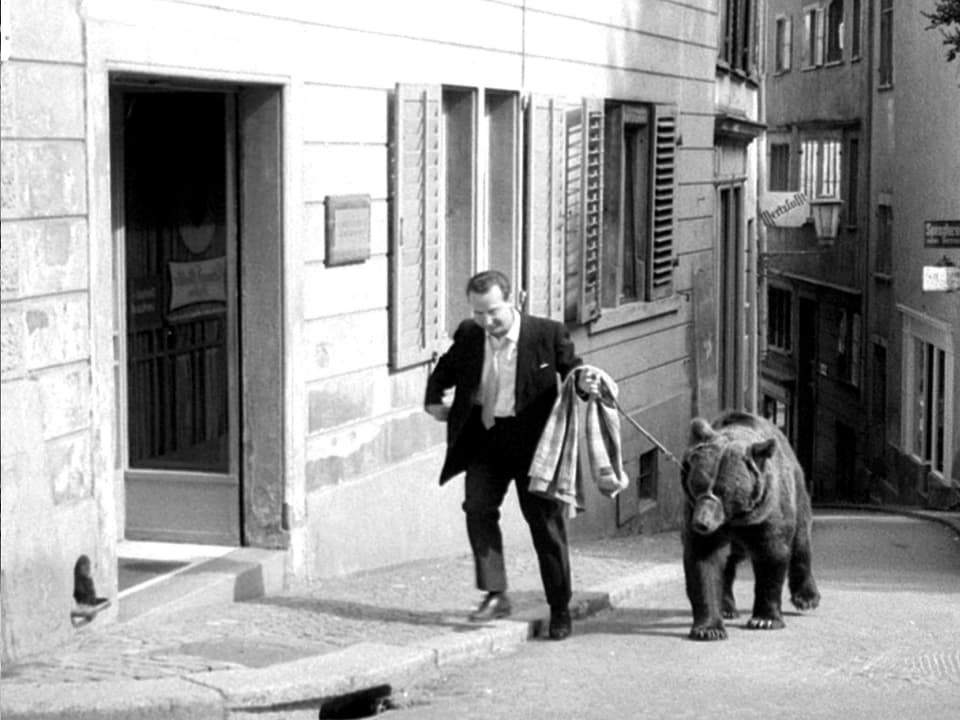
746,496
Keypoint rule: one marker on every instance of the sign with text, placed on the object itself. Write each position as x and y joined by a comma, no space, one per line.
941,233
347,229
941,278
784,209
202,281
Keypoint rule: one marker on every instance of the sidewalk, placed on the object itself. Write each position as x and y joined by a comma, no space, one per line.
292,654
288,655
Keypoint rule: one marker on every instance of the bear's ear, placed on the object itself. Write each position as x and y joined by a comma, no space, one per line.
700,430
762,451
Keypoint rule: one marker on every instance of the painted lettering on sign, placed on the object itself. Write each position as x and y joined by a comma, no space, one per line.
198,282
784,209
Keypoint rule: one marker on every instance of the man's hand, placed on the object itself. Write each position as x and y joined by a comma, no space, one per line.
588,382
438,411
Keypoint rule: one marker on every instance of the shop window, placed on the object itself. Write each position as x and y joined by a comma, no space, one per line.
779,180
835,31
813,31
927,372
736,42
779,318
783,44
820,168
885,61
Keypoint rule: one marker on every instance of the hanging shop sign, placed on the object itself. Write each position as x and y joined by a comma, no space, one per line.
784,209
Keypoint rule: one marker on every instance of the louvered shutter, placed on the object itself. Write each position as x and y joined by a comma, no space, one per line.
663,222
584,210
545,228
416,273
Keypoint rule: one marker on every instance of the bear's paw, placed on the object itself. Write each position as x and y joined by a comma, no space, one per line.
805,598
714,631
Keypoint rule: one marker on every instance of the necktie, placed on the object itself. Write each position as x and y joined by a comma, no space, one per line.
491,386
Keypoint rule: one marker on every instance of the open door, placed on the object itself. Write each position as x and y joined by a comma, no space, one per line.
178,253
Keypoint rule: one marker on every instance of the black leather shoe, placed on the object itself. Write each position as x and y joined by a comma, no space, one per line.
560,624
494,605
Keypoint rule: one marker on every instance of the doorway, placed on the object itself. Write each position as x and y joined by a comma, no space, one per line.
179,249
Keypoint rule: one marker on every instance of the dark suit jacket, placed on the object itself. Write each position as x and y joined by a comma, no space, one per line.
544,349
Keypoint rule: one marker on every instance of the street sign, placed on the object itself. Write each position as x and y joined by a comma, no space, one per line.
940,278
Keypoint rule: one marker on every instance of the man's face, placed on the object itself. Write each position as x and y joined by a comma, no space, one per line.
491,311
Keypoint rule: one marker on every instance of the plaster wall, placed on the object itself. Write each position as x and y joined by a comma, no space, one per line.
360,458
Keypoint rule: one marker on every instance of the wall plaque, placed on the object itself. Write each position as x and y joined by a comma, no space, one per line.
347,229
941,233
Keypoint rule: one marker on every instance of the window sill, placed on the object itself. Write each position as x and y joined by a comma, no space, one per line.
833,63
885,88
884,278
611,318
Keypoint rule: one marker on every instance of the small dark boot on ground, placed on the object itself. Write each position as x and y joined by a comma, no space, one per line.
560,624
495,605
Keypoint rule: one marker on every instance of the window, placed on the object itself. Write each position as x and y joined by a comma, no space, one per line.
813,37
848,346
835,31
779,316
457,167
783,45
736,43
856,29
883,261
853,174
928,392
647,477
779,167
447,223
885,64
778,412
638,203
820,168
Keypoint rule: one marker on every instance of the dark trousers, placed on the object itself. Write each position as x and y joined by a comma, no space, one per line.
503,455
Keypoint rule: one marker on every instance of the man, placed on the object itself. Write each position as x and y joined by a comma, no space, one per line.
503,369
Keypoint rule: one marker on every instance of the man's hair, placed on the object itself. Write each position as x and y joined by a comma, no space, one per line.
483,281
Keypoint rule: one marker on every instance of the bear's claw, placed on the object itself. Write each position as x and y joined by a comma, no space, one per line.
805,599
762,623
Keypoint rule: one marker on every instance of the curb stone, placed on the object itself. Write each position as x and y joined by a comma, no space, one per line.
299,688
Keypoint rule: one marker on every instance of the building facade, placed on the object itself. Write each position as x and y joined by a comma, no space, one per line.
235,237
915,214
842,304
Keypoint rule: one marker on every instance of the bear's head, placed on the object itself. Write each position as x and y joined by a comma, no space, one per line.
723,475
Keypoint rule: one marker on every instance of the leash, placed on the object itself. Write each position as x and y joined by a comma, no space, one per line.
669,455
616,403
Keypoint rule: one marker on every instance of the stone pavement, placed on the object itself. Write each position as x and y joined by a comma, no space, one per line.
293,654
287,655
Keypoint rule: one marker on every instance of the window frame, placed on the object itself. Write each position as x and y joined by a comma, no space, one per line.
783,44
885,45
737,28
812,52
775,161
828,170
784,312
924,333
856,30
833,36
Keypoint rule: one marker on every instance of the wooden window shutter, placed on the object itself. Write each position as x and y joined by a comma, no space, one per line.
663,230
416,272
545,217
584,210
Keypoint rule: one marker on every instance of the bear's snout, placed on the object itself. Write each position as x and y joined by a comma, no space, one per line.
707,515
